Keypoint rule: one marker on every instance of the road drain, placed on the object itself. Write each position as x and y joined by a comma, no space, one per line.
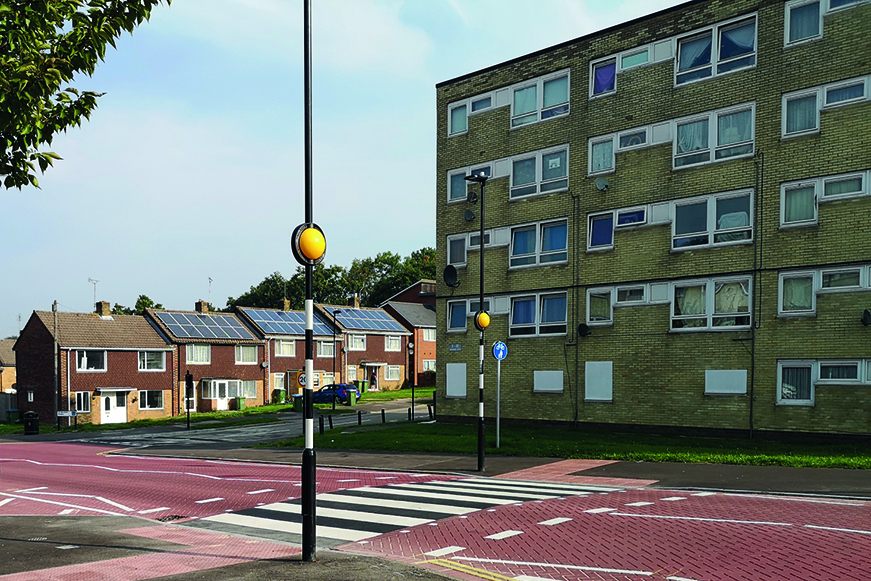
171,517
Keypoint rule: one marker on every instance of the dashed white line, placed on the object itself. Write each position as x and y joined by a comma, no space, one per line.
673,578
554,521
261,491
61,504
208,500
793,499
32,489
641,503
7,501
857,531
151,510
445,551
704,494
66,511
599,510
674,498
556,566
697,518
503,535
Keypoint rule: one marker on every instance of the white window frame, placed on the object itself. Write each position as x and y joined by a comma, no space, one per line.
787,187
351,373
248,389
389,339
392,373
83,402
465,240
590,219
537,323
282,344
539,181
539,97
80,368
328,377
816,93
804,363
819,186
428,365
713,147
468,103
862,283
356,342
633,210
629,287
143,400
189,352
488,167
710,285
428,334
783,276
537,254
462,104
820,363
711,221
326,349
610,291
863,81
279,381
145,368
787,21
465,308
243,352
716,40
593,141
596,63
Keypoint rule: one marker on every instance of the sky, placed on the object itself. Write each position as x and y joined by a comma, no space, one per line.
192,166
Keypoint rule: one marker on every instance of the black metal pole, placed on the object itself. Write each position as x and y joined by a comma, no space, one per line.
481,345
309,534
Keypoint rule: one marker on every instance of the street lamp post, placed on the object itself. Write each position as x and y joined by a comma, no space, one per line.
482,320
335,324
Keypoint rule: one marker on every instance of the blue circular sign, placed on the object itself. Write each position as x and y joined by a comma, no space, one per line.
500,350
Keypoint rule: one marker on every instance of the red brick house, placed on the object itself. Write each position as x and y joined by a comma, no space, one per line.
7,366
420,321
422,292
225,357
110,368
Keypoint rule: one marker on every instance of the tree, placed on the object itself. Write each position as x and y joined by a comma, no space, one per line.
43,45
419,265
267,294
142,303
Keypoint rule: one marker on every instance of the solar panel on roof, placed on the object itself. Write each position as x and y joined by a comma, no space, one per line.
197,326
285,322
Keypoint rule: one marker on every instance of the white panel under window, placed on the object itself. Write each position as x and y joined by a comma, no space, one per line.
500,236
659,292
501,305
599,381
726,381
455,379
659,213
663,51
660,133
501,168
547,381
502,97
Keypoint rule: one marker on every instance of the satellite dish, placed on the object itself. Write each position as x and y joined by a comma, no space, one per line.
866,317
469,215
472,197
602,184
450,276
583,330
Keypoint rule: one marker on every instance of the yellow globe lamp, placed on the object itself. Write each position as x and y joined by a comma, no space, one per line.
312,243
482,320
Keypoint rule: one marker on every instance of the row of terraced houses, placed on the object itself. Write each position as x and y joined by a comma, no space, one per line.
677,223
111,368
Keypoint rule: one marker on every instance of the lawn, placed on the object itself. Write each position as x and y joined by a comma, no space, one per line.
421,394
571,442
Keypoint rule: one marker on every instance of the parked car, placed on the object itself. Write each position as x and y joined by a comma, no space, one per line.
336,391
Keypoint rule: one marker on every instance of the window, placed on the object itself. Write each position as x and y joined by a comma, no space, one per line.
83,402
475,239
604,77
601,156
392,343
326,349
599,303
798,205
481,104
328,378
392,373
802,21
712,221
457,316
794,383
631,217
474,308
627,61
352,373
848,186
711,305
198,354
429,335
457,186
428,365
728,133
285,348
90,360
833,4
457,250
840,279
152,361
633,139
538,315
730,47
460,111
839,372
232,389
151,400
356,342
801,115
249,389
601,231
631,294
246,354
854,91
278,381
539,172
540,99
458,120
799,200
538,244
797,295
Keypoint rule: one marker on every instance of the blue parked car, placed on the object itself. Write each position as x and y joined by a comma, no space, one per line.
336,391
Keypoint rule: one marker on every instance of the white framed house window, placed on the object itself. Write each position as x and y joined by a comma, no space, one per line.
601,231
457,250
845,93
848,186
458,187
152,361
714,220
456,316
801,113
725,48
601,155
799,200
600,303
540,99
539,172
714,304
838,372
841,279
631,295
392,373
537,315
326,349
328,378
351,373
285,348
151,400
83,402
198,354
429,335
428,365
796,292
539,244
392,343
249,389
91,360
246,354
795,384
458,121
603,77
356,342
715,136
798,204
278,381
803,20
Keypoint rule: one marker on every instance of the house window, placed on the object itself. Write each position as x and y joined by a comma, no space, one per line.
429,335
90,360
326,348
841,279
246,354
474,308
475,239
457,186
356,342
522,316
481,104
601,231
539,173
457,250
538,244
552,315
854,91
798,205
714,304
392,343
457,316
728,133
428,365
632,217
797,295
599,307
604,77
151,400
538,315
328,378
285,348
839,372
197,354
249,389
735,49
848,186
631,294
633,60
801,115
458,120
712,221
152,361
539,100
83,402
633,139
352,373
278,381
833,4
392,373
602,156
802,21
795,386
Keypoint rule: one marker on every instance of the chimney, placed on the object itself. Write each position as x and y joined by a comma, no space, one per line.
354,301
103,309
285,305
202,307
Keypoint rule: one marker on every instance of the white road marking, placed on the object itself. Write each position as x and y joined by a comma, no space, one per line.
7,501
32,489
349,480
673,578
445,551
151,510
556,566
673,498
66,511
697,518
599,510
793,499
65,547
504,535
62,504
100,498
402,521
208,500
860,532
642,503
447,509
704,494
261,491
554,521
290,527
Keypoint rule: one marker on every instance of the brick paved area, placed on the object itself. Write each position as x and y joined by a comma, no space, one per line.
562,472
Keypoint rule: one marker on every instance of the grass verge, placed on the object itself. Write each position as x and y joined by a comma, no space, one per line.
421,394
577,443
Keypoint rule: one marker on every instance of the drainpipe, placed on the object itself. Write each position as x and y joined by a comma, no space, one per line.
56,356
757,281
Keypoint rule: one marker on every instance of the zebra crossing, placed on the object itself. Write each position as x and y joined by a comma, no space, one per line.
362,513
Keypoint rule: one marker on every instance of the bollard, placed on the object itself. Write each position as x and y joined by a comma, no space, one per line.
409,414
331,421
383,416
359,418
321,424
429,409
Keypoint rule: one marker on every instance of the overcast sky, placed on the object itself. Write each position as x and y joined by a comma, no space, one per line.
192,166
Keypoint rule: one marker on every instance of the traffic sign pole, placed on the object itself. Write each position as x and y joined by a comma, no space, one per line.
500,352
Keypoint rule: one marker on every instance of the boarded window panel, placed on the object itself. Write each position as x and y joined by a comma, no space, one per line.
547,381
455,375
598,381
726,381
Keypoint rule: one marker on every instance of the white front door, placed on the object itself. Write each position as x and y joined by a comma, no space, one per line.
223,398
115,408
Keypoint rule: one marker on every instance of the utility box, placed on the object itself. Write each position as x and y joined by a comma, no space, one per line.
31,423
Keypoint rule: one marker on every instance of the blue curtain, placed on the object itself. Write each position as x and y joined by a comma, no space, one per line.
524,312
605,75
